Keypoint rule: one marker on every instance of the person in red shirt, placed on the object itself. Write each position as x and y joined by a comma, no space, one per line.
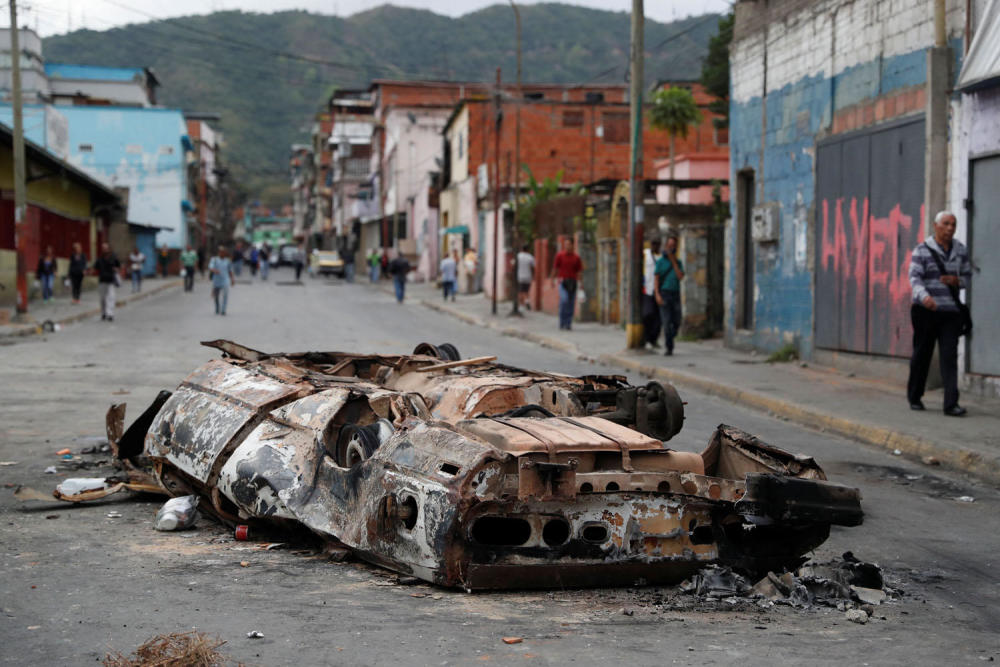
567,268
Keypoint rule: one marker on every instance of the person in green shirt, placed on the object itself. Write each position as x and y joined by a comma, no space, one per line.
189,260
374,264
669,273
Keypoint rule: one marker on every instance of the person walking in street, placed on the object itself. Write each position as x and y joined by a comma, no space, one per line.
77,269
383,263
525,275
189,262
939,268
221,270
299,261
238,258
107,267
254,258
374,265
449,274
136,262
399,268
669,274
348,258
264,257
650,309
566,269
163,259
471,262
46,272
201,261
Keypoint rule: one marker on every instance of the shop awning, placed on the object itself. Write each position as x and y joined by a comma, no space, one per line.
982,63
458,229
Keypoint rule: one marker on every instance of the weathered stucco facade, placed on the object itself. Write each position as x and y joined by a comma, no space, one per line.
825,263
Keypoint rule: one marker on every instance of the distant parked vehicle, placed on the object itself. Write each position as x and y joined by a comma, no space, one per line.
326,262
286,255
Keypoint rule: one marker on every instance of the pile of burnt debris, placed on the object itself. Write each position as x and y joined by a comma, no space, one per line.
848,584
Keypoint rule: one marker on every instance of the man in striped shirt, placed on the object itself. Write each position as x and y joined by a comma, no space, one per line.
935,313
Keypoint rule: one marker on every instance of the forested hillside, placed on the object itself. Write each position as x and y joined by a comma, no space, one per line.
267,74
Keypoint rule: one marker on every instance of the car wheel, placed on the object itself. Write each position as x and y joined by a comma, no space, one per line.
448,352
357,443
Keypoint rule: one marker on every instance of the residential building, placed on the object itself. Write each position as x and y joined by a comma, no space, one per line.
579,133
65,205
105,121
302,167
90,84
141,149
352,126
839,154
208,222
974,195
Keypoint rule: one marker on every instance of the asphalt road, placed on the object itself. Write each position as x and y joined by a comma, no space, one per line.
76,583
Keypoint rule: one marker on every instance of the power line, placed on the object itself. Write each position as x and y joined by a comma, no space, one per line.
251,45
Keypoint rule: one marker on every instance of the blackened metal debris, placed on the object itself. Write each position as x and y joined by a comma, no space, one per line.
478,475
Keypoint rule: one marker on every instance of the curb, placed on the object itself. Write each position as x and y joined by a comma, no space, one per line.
33,329
963,460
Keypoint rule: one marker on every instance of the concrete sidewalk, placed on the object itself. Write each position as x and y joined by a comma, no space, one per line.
62,311
871,410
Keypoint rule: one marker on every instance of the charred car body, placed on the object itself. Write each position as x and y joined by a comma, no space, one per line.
475,474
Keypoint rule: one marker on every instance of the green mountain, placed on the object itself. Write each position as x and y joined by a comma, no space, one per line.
267,74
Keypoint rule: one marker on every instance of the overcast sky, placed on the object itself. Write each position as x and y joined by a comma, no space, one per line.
51,17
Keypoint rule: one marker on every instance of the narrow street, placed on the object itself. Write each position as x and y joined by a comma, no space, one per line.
79,581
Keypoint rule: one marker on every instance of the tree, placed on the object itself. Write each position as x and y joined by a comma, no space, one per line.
715,70
538,192
674,110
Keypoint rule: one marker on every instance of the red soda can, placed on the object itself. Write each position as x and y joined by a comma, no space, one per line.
242,532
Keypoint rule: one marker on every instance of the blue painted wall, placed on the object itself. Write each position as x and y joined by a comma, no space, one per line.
138,148
796,114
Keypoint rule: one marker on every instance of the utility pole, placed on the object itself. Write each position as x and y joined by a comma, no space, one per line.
496,189
515,310
633,318
20,196
203,203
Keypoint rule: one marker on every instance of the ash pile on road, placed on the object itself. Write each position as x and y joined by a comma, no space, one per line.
845,584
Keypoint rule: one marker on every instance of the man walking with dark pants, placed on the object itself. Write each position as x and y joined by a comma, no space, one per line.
669,274
566,268
650,308
939,268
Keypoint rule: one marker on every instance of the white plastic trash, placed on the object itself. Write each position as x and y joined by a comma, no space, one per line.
75,485
177,513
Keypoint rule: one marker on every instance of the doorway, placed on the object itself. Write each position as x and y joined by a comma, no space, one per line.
744,250
984,246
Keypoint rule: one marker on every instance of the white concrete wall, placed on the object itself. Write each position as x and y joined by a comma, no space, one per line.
840,35
131,93
410,149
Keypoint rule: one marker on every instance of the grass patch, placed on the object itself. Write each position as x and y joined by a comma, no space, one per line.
787,352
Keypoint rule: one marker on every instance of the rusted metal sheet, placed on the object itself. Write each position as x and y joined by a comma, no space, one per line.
482,475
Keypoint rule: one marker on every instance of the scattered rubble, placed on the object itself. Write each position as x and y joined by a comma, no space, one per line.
840,584
856,616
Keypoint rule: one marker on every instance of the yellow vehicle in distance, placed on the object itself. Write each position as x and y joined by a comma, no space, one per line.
326,262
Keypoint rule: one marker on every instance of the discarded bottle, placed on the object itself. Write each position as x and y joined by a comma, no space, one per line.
177,513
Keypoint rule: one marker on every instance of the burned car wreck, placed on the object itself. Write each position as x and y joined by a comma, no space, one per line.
474,474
